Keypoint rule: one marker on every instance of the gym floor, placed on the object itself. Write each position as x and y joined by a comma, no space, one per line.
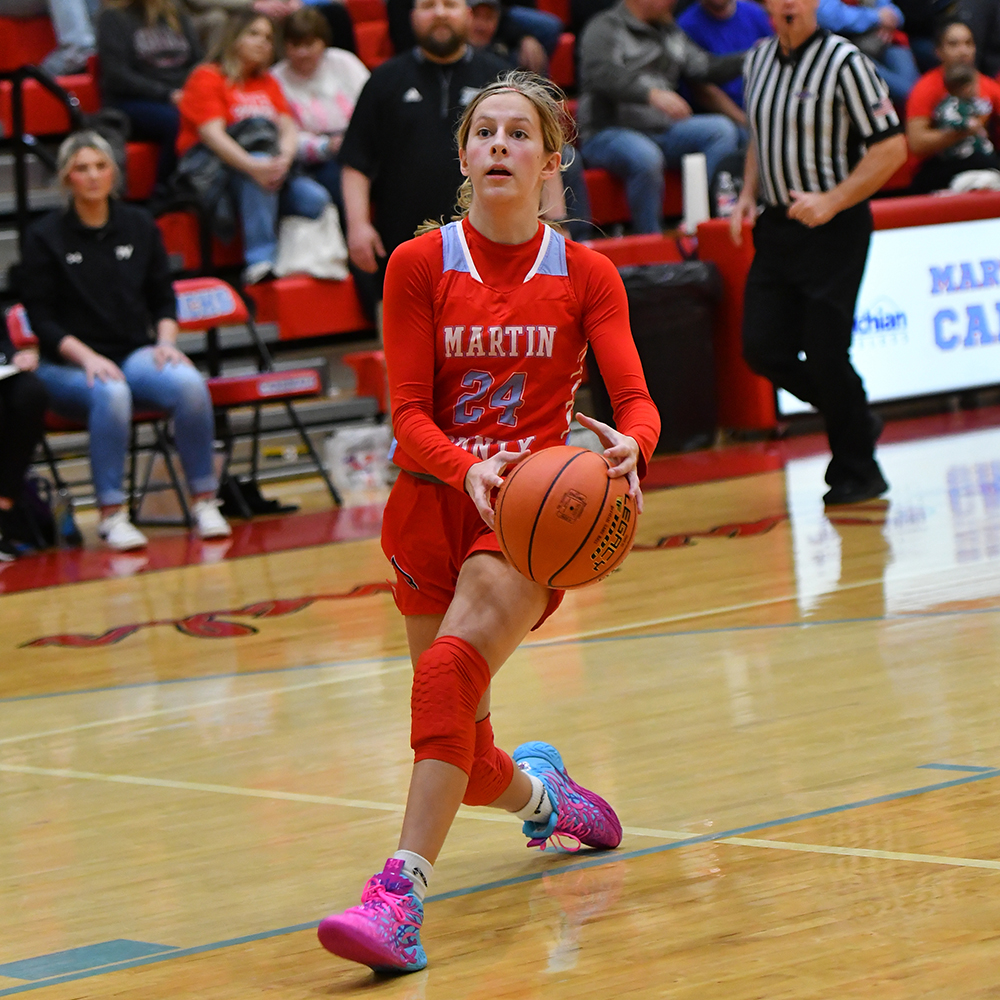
204,749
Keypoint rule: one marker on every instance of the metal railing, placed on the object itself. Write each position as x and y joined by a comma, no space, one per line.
22,143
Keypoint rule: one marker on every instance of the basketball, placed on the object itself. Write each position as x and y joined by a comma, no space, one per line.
561,521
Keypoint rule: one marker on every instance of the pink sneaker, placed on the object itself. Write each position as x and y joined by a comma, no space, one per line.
577,813
384,931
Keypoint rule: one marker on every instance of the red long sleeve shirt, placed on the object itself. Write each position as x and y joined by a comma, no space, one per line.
485,345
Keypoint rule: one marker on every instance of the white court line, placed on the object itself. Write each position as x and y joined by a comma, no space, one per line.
861,852
488,817
264,793
341,678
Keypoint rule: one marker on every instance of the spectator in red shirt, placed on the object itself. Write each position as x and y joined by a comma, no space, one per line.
955,47
218,96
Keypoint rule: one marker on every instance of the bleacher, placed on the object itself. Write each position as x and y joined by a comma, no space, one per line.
290,309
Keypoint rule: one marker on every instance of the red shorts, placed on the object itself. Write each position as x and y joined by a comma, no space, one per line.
428,531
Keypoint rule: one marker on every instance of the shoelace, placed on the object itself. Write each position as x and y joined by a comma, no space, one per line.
394,902
556,839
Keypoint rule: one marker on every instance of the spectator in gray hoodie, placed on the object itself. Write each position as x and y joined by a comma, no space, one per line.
632,120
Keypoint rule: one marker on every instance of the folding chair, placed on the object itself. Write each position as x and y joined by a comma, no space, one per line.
23,337
205,304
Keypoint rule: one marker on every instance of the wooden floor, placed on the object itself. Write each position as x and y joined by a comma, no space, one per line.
795,716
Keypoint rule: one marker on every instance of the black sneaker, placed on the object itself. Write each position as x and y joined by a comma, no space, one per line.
855,491
8,551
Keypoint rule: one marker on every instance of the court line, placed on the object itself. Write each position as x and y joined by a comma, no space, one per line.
601,860
264,793
174,709
954,767
862,852
491,817
538,644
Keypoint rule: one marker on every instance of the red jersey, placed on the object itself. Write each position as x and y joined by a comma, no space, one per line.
485,346
209,94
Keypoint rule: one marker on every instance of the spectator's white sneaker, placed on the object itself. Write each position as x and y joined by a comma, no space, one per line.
120,533
253,274
208,522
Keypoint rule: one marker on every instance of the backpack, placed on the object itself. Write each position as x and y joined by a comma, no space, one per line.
43,516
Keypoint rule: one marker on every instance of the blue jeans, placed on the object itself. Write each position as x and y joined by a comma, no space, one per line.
328,174
540,24
155,121
899,70
640,159
260,209
107,408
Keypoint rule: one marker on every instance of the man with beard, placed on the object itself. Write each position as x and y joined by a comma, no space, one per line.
399,159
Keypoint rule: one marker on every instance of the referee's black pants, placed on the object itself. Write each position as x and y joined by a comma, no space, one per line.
798,318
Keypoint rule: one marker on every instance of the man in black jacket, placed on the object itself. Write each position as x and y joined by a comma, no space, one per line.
399,154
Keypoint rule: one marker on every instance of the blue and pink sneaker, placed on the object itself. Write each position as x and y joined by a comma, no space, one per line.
577,814
384,931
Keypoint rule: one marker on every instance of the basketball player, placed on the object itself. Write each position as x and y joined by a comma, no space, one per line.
487,322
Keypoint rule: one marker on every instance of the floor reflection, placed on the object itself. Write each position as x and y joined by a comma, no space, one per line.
934,543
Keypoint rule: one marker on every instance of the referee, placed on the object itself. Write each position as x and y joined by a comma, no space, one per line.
825,138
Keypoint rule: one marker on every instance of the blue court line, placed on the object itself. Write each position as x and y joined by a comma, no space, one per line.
540,644
602,858
955,767
80,959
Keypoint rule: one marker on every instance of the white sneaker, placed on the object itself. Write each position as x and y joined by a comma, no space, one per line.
120,533
253,274
208,522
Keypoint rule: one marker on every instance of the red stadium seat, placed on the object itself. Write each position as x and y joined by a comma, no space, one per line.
374,44
558,7
23,337
645,248
43,113
562,65
205,304
24,41
141,159
182,239
369,370
366,10
609,205
303,306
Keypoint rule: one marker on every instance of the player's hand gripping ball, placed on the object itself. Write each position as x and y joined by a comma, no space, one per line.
562,521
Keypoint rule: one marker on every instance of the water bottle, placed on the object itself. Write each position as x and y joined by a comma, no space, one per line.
725,195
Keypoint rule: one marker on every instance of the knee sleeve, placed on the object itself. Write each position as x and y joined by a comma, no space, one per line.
448,682
492,769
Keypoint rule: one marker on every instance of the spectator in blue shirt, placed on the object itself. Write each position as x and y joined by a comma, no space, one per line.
872,28
724,26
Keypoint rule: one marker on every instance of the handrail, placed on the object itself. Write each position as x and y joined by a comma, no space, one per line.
22,143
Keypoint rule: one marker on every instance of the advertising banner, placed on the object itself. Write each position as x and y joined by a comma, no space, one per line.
928,312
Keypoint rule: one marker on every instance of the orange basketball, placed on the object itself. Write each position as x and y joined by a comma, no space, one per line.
561,521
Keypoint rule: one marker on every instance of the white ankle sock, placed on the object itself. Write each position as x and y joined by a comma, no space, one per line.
538,808
418,870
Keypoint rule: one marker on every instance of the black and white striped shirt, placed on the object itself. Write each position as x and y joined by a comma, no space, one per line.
813,113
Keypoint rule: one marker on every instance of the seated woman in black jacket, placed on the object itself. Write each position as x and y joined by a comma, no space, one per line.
22,411
96,286
147,49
